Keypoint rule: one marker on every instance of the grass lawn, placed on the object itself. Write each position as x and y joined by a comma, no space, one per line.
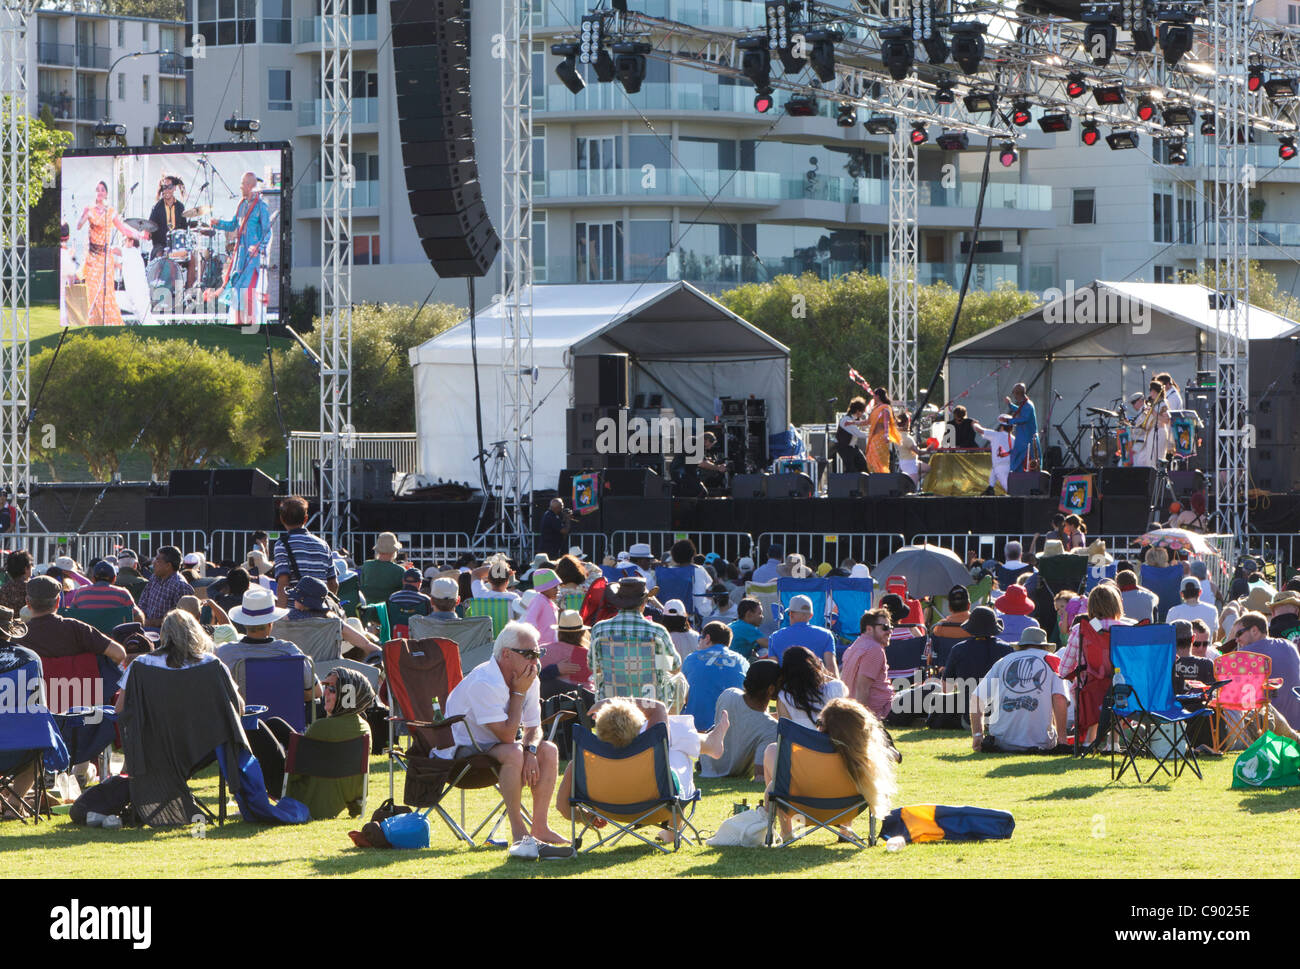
1070,821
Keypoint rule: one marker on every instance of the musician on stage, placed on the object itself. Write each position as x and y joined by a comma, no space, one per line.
850,437
689,479
252,227
1173,397
964,428
1152,430
1023,419
910,453
168,215
1000,450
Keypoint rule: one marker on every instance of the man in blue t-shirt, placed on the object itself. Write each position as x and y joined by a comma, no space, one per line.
712,668
801,632
746,639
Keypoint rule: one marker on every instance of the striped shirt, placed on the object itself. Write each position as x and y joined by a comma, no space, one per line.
101,595
311,553
411,602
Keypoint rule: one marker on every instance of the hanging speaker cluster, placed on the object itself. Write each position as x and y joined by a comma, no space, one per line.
431,73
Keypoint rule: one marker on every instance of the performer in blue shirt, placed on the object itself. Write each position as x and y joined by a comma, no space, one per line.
1024,426
252,225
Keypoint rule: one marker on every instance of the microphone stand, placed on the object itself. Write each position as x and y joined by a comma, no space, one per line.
1078,435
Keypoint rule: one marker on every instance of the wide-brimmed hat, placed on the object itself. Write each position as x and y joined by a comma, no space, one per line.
983,621
11,627
640,550
1097,554
258,560
1033,636
629,593
1052,547
577,552
342,571
1014,602
386,543
258,608
794,567
1259,599
499,569
571,619
1285,598
66,563
312,593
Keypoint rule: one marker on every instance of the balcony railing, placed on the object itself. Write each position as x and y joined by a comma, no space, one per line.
1264,234
91,109
717,271
364,111
62,55
176,112
365,28
95,58
62,106
652,97
365,194
171,64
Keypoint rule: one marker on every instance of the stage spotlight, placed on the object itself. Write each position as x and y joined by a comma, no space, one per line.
1177,151
592,40
1053,123
1144,38
944,94
1279,88
1286,149
1119,140
1176,39
968,45
936,48
1113,94
897,51
801,107
1254,78
953,141
881,124
171,129
1089,133
1178,115
1099,42
567,69
755,61
1075,85
111,129
846,116
920,135
1146,109
763,100
1021,114
1207,126
978,101
1009,155
629,65
242,125
604,66
821,53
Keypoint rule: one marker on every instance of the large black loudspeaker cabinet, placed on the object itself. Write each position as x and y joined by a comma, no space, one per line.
242,482
431,73
889,485
600,380
1029,483
1131,482
189,483
1274,396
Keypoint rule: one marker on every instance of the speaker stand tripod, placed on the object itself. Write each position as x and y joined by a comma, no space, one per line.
1161,491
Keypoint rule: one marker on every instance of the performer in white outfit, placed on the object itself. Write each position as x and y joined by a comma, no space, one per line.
1152,430
1000,443
1173,397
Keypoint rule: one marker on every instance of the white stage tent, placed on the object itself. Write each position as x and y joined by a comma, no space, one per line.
1104,333
681,344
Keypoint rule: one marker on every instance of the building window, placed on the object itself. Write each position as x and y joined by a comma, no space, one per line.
1163,215
144,33
365,84
121,87
1165,274
600,252
649,241
121,33
1186,210
599,158
1041,278
1085,206
279,91
144,138
225,23
539,245
276,18
365,250
144,88
539,157
1293,13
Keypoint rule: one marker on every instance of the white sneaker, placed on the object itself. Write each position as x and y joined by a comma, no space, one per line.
112,823
525,847
95,820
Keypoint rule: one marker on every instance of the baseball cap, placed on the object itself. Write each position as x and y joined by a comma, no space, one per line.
444,588
800,604
1191,582
126,555
192,558
674,607
104,569
746,564
412,576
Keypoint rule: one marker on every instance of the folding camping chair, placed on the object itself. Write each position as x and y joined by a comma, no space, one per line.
1242,704
321,637
29,735
1092,681
906,656
1167,584
105,620
350,597
627,668
473,637
1061,572
399,619
277,683
629,787
333,760
677,582
1144,657
811,780
498,610
573,600
847,599
815,589
773,613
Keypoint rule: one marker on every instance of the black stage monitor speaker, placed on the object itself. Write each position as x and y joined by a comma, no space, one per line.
1118,482
600,380
242,483
189,483
1029,483
636,482
846,484
749,485
431,73
891,485
789,486
1186,483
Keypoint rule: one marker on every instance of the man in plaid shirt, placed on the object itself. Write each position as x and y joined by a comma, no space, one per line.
629,596
165,588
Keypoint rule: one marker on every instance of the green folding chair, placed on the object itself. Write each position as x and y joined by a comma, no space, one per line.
105,620
498,610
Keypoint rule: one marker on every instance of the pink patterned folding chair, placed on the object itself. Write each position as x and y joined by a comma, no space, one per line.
1243,701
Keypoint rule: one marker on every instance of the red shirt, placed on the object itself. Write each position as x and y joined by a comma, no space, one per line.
100,595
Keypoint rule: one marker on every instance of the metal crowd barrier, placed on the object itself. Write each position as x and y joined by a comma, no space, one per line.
85,547
818,547
730,545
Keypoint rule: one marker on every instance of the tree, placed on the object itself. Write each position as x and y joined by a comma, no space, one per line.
45,145
1264,291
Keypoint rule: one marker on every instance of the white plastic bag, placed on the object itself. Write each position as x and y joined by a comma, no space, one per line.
745,830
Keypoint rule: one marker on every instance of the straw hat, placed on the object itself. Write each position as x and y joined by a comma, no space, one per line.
386,543
1051,548
1097,554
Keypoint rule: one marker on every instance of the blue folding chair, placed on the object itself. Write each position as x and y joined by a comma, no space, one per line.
847,600
29,735
276,682
815,589
812,780
1096,573
1166,583
1144,698
905,656
676,582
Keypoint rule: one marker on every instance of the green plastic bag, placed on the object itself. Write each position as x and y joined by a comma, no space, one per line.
1271,761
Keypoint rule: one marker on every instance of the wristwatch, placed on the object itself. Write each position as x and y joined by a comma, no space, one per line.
531,748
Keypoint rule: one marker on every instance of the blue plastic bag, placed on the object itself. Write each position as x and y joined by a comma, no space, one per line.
406,830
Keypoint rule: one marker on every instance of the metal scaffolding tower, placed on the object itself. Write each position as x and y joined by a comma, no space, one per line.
902,258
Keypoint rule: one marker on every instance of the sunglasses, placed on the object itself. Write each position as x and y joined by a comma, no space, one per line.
530,653
1200,642
329,688
883,625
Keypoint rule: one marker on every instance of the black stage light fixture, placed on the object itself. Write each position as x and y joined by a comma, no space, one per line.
783,23
567,69
1111,94
1053,123
944,95
881,124
1278,88
604,66
846,116
1207,125
922,31
821,53
1286,149
1178,114
1254,78
801,107
1176,39
592,39
629,64
755,61
1144,38
936,48
242,125
1075,85
978,101
1008,155
1119,140
174,129
1089,133
111,129
1146,109
897,51
1021,114
1177,149
968,45
920,134
953,141
1099,42
763,100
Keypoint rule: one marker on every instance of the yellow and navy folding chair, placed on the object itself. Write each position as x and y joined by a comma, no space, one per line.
628,787
812,780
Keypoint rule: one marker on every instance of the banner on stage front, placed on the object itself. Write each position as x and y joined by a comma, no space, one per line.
586,493
1184,436
1076,494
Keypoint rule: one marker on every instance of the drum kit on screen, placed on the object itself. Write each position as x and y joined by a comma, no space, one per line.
193,260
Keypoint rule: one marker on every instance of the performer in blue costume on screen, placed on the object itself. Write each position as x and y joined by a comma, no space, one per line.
252,226
1024,426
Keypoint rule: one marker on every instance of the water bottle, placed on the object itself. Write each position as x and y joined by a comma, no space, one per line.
895,843
1118,678
437,711
740,808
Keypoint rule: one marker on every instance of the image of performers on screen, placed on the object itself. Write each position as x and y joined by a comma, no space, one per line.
168,217
102,259
251,224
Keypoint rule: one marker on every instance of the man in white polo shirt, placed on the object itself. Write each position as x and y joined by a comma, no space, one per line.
498,698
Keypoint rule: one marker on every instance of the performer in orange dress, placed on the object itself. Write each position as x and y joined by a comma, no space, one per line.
882,431
99,270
